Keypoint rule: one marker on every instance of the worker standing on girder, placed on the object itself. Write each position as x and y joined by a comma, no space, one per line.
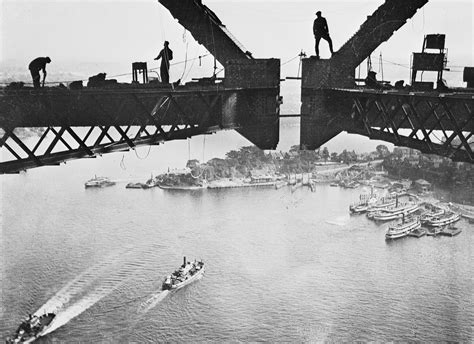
321,30
166,55
35,66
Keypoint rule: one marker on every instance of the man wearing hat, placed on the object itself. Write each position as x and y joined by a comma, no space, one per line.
166,55
321,30
35,66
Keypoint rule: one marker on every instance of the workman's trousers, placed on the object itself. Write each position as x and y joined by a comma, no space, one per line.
326,37
165,76
36,78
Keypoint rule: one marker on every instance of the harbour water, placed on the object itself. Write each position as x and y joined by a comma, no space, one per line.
281,266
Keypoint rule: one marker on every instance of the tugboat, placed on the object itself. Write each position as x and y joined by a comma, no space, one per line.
31,328
402,229
98,182
187,273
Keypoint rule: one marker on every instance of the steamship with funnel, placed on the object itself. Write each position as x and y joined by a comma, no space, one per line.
31,328
187,273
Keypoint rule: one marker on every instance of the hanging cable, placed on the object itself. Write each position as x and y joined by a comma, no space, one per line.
146,156
293,58
122,163
203,147
381,65
214,46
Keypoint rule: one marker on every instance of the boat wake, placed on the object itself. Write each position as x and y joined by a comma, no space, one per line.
88,288
75,309
152,302
339,221
72,288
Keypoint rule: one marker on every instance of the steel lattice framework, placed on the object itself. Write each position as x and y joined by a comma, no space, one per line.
435,123
88,123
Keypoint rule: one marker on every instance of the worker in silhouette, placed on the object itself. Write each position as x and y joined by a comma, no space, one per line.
166,55
35,66
321,30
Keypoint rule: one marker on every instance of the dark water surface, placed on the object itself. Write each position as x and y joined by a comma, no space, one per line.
281,266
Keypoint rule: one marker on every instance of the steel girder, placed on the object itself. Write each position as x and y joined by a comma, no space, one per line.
169,119
433,123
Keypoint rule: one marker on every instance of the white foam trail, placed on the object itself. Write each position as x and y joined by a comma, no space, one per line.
338,221
72,288
80,306
74,310
151,303
77,286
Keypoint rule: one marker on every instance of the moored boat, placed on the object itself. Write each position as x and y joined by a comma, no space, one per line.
402,229
381,205
98,182
393,213
187,273
31,328
430,215
443,220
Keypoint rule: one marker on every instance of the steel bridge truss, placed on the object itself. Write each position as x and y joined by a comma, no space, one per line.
441,124
170,119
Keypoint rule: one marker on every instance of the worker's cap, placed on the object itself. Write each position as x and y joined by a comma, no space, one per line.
48,60
318,13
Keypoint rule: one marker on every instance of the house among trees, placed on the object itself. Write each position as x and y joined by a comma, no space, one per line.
422,185
277,155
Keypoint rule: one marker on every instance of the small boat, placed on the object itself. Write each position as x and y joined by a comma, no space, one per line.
187,273
402,229
443,220
31,328
98,182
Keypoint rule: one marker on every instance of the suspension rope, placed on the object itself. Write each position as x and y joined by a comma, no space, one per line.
292,59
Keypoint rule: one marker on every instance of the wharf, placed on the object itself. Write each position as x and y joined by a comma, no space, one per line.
450,232
240,185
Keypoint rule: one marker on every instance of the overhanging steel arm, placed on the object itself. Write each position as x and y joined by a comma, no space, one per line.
58,157
454,154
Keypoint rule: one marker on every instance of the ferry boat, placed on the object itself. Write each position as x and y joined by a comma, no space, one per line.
443,220
372,205
363,205
382,205
187,273
430,215
31,328
98,182
393,213
402,229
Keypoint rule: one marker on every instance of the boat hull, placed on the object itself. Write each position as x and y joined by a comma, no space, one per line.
32,335
403,231
189,280
186,274
393,214
443,221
